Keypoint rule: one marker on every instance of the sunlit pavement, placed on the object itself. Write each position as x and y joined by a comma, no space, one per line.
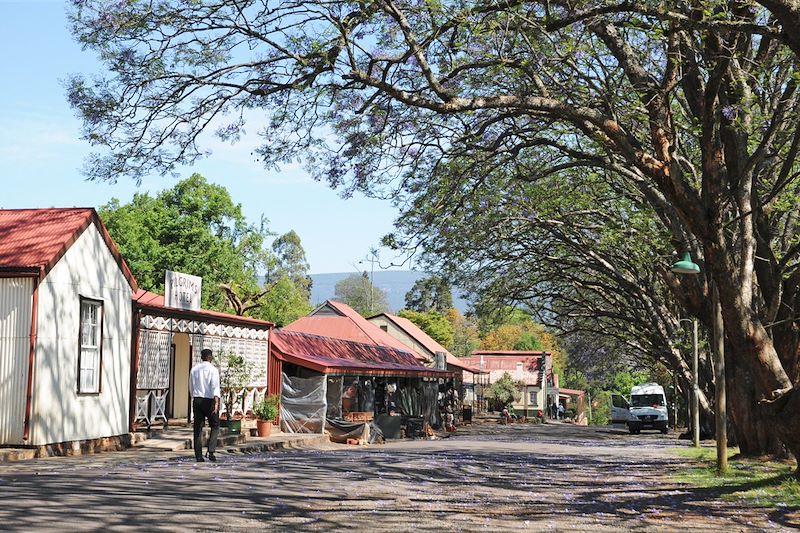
487,477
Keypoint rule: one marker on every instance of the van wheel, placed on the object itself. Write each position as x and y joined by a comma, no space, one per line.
633,430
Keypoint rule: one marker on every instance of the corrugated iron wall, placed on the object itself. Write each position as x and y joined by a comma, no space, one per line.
15,328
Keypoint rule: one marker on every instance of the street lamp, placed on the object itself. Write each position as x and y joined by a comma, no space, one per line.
695,407
687,266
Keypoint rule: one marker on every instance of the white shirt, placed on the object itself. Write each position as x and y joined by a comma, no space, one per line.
204,381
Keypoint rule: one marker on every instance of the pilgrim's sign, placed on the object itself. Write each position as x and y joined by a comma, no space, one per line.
182,291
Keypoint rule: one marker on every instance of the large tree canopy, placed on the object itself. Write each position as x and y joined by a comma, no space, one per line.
691,109
193,227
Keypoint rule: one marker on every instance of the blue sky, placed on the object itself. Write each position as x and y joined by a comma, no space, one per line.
41,152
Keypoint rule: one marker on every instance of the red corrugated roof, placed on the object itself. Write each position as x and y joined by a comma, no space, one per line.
338,356
150,301
35,239
344,324
497,363
430,344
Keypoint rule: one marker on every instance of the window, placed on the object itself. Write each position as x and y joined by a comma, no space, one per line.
91,351
533,398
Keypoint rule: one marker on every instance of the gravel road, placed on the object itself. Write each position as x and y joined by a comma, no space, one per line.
487,477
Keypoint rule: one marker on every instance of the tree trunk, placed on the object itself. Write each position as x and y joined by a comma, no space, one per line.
754,435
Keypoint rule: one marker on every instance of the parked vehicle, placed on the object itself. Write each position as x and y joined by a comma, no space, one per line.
646,408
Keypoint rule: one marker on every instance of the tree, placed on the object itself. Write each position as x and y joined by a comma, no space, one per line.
291,260
194,228
504,391
430,294
357,292
434,324
688,113
465,333
284,303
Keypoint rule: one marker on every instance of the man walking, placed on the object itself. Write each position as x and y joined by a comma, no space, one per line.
204,384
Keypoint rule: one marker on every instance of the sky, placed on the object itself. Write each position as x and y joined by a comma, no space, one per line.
41,152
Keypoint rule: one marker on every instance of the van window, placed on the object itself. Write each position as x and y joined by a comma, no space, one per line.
646,400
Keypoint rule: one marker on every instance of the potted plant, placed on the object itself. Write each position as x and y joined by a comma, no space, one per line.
266,410
236,374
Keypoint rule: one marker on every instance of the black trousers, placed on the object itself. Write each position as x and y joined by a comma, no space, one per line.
203,409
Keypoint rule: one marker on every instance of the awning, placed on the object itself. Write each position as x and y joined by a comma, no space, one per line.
336,356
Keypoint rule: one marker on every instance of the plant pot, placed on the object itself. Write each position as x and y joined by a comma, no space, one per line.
234,427
264,428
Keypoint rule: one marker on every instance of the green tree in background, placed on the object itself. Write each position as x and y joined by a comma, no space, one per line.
434,324
291,260
356,291
466,337
284,303
503,391
195,228
430,294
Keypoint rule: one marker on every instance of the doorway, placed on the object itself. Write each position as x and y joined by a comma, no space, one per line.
180,364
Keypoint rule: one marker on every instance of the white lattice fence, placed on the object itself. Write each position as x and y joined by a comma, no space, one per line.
154,350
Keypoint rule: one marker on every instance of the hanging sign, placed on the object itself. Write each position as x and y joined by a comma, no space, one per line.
182,291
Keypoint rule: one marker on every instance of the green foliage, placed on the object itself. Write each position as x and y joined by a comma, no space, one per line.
358,292
284,303
291,261
528,342
625,380
235,374
504,391
747,482
465,333
193,228
267,408
430,294
434,324
601,408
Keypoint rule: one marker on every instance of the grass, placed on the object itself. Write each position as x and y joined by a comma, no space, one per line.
751,481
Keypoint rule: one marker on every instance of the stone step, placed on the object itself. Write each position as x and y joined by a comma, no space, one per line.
181,439
16,454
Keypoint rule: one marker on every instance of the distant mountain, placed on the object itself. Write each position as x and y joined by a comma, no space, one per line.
394,284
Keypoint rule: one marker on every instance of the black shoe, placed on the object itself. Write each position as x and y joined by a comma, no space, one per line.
199,459
212,458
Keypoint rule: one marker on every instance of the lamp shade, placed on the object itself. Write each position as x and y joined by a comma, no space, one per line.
685,266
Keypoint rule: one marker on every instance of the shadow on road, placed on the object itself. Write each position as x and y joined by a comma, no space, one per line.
508,478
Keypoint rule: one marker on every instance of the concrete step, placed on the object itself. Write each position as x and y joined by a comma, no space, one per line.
16,454
181,439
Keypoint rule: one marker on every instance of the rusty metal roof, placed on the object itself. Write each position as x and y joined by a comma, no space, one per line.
338,356
34,240
430,344
340,321
151,302
497,363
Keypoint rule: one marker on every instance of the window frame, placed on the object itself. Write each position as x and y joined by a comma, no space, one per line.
533,398
99,304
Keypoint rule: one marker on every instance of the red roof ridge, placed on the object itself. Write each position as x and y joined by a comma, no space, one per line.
347,341
31,250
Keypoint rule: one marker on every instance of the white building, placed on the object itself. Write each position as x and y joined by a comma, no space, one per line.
65,329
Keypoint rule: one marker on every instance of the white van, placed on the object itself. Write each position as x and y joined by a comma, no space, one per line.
647,408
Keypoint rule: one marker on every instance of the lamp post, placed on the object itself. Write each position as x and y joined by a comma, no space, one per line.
695,405
686,266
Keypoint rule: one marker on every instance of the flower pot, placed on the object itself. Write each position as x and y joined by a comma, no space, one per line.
264,428
235,427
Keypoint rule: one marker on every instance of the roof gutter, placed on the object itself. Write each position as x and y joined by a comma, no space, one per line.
26,429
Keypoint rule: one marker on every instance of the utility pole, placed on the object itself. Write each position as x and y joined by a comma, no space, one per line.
372,260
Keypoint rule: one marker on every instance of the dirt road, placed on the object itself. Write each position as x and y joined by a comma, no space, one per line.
486,478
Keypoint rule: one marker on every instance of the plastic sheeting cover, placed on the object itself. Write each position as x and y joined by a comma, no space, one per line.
303,404
340,431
